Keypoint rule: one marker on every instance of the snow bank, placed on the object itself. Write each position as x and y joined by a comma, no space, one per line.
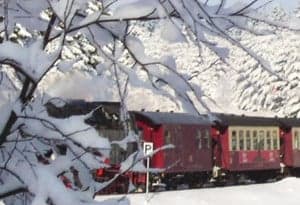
282,192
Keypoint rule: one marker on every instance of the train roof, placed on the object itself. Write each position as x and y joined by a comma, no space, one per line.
80,107
242,120
159,118
290,122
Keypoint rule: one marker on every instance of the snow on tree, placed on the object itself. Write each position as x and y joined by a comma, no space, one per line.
92,43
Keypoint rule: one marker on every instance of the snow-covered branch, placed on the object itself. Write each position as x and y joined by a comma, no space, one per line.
80,47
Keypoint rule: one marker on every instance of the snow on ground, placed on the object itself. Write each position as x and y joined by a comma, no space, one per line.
283,192
277,193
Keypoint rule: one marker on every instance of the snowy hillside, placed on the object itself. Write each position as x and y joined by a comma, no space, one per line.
192,56
232,85
239,85
282,192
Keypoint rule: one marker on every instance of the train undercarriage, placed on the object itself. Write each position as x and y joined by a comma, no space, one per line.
193,180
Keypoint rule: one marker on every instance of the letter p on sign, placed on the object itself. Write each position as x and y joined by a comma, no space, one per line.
148,148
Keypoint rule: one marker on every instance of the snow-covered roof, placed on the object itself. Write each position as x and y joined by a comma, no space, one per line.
290,122
80,107
158,118
242,120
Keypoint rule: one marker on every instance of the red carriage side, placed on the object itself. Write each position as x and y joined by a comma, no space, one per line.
290,145
191,160
246,147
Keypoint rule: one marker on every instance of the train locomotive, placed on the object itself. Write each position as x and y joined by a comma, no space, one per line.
228,149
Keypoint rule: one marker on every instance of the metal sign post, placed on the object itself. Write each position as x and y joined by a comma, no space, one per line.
147,176
148,149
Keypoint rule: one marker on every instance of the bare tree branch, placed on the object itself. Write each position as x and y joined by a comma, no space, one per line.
12,192
9,124
244,8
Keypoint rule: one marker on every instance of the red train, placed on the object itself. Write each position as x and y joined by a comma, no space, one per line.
191,159
229,149
226,149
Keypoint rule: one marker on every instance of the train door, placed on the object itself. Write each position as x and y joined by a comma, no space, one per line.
296,146
216,151
286,147
282,142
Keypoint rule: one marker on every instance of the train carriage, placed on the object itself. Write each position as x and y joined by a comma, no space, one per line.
191,159
247,146
229,148
290,144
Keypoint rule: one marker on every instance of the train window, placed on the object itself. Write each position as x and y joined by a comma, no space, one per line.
268,140
297,133
296,140
261,135
117,154
241,140
167,137
140,133
131,148
233,141
198,137
206,138
255,140
275,140
248,140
